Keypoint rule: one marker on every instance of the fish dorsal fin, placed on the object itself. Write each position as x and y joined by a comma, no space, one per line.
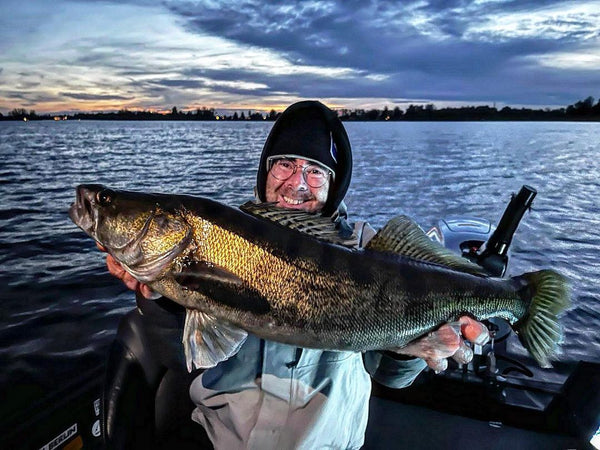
404,237
208,341
312,224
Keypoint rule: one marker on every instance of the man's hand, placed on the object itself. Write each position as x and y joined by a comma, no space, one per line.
448,341
117,270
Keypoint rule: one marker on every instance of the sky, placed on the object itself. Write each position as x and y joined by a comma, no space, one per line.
100,55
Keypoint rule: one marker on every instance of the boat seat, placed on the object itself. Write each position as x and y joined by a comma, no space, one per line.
146,392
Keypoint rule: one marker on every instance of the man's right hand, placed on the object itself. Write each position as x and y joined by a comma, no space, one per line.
117,270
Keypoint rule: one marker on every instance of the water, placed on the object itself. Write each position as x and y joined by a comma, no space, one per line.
60,308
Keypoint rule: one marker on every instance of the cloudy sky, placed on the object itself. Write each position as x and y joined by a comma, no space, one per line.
86,55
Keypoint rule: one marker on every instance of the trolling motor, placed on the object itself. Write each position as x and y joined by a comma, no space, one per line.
493,256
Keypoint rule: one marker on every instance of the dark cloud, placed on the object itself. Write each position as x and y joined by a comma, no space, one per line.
508,86
374,35
26,99
183,84
435,56
519,6
84,96
18,95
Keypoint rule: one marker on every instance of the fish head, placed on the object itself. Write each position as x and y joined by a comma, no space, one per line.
143,232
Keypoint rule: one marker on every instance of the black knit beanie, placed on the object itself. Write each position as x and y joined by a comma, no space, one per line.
310,130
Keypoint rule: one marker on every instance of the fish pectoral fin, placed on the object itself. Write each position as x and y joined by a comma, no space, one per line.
402,236
222,286
196,274
208,341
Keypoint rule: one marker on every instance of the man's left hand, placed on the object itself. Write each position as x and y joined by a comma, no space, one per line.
448,341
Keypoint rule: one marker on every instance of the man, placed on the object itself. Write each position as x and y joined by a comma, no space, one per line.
273,395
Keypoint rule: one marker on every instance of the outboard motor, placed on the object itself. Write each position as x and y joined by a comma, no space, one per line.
463,235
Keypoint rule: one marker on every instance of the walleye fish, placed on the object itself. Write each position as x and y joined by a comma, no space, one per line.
287,276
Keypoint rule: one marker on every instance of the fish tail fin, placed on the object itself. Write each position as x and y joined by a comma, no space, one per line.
540,331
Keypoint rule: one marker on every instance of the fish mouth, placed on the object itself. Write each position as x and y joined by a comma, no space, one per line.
82,211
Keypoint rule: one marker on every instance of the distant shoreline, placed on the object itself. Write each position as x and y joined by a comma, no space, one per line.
584,110
591,120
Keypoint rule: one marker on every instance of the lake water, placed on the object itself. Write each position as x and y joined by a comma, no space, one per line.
60,308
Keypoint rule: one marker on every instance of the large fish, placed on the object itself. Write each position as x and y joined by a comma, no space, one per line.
287,276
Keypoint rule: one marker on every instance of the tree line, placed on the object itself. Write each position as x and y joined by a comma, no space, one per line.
581,110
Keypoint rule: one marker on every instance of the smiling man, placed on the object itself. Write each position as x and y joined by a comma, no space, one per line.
306,162
296,183
300,157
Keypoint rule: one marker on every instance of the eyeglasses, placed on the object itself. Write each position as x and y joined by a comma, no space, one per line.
314,175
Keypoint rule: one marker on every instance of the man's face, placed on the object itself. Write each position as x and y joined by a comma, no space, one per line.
295,193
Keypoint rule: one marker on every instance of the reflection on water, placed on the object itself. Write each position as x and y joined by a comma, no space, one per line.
60,307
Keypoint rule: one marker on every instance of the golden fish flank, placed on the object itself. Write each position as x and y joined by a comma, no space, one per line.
274,278
239,256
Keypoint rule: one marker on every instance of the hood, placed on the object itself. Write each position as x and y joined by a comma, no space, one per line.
310,130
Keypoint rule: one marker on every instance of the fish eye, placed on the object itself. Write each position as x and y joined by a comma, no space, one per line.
105,197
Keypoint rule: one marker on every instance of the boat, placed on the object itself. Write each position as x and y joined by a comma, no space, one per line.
69,419
501,400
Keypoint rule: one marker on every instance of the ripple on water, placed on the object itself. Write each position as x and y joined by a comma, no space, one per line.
61,306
